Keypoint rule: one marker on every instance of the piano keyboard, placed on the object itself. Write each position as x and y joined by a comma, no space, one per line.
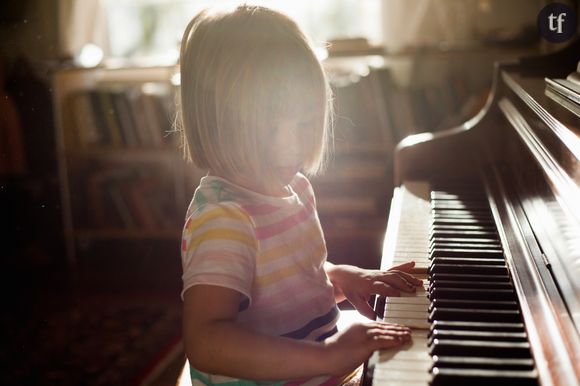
466,322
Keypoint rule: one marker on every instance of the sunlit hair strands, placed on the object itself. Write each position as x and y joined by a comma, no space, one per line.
241,72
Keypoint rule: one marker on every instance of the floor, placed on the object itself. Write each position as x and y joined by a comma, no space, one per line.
102,323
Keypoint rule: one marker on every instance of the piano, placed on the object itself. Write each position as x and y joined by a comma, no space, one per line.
490,212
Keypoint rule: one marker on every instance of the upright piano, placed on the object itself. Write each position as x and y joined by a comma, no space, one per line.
490,213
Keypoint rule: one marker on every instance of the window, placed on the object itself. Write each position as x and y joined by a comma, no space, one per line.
150,30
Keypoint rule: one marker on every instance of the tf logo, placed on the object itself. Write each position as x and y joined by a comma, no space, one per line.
557,22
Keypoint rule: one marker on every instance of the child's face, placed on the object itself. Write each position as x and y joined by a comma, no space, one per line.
286,151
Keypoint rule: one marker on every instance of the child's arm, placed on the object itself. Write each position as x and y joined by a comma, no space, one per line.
216,344
357,285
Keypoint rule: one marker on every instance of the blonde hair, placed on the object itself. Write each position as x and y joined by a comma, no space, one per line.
241,72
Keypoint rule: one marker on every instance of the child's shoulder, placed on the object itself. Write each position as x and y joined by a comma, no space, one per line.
214,190
226,214
301,185
214,200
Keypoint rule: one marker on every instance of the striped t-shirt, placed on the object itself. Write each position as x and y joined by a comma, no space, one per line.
272,251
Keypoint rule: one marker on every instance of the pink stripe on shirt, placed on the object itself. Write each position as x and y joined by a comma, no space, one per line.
289,222
259,209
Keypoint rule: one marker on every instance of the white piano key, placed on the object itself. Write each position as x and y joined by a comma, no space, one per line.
420,292
405,307
419,268
408,365
403,258
415,376
415,350
416,355
420,334
408,300
400,364
419,250
406,256
407,314
385,381
422,323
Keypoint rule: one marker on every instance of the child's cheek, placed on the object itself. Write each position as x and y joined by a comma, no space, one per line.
287,154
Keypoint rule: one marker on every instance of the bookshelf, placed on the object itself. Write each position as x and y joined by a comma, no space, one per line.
380,98
353,193
122,175
111,166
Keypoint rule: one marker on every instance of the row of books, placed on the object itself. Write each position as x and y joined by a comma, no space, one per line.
128,198
375,109
122,117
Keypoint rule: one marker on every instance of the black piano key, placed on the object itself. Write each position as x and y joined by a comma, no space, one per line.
451,227
469,303
466,246
469,234
435,194
476,269
475,315
493,349
465,202
483,363
476,326
464,252
467,261
473,186
486,221
480,377
478,335
472,206
458,197
483,241
467,277
469,284
460,213
448,218
472,294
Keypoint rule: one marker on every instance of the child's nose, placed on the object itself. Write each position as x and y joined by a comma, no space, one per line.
288,145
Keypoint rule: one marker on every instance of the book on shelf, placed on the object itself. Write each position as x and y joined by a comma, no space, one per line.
84,120
375,109
358,112
121,117
137,194
129,198
97,208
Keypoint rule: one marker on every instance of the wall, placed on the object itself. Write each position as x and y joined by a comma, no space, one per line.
33,33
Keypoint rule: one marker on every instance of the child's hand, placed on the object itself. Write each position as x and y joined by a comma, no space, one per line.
357,284
351,347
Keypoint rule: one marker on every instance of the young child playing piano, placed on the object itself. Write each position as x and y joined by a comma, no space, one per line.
260,299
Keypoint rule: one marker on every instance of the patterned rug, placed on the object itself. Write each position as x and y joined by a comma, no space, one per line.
89,340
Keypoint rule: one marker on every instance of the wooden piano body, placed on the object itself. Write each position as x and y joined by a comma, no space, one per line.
498,195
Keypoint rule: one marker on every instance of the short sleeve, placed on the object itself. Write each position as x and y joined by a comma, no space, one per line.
218,248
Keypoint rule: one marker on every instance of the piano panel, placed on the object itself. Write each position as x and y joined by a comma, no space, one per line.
544,167
521,156
467,326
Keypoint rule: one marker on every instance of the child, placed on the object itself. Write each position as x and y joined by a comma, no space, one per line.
259,296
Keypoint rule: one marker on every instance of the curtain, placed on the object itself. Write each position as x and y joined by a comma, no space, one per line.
81,22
